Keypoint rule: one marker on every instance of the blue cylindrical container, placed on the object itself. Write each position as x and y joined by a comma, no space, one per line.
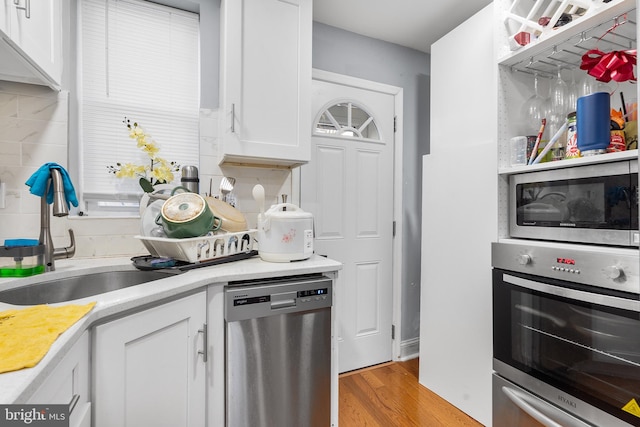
593,120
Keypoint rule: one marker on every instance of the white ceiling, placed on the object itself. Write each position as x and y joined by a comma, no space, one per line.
411,23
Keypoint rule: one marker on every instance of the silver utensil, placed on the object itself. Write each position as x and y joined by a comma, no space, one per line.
258,196
226,186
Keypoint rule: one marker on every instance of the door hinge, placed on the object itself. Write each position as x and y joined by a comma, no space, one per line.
395,124
394,229
393,332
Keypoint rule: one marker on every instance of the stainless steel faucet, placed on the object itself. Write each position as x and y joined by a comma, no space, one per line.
60,209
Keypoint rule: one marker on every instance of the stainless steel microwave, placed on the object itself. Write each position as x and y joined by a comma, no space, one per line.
591,204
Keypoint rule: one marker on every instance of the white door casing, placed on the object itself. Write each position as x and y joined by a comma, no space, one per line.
349,187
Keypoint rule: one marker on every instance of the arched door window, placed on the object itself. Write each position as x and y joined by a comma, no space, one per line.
346,119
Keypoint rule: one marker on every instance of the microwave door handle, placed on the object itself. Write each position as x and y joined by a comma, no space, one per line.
627,197
520,400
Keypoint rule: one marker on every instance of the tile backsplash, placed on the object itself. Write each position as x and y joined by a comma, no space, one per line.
34,125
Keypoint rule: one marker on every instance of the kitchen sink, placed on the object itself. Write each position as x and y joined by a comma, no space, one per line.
86,285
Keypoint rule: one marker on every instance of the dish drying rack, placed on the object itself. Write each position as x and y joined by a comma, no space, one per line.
201,249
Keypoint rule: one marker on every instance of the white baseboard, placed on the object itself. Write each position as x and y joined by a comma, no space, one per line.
409,349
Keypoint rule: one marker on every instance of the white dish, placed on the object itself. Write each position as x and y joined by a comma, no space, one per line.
232,219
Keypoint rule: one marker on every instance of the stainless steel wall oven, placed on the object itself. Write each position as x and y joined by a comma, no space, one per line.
566,335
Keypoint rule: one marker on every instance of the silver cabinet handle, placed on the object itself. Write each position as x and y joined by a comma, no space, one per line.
520,400
205,342
26,7
73,403
233,118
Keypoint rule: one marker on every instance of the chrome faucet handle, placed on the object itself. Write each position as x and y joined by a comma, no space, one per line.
69,251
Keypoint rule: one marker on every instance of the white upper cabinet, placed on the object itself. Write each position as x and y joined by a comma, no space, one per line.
31,48
4,16
265,82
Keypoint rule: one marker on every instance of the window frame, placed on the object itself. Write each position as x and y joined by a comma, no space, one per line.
118,203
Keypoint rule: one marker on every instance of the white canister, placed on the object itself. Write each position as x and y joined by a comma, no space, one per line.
285,233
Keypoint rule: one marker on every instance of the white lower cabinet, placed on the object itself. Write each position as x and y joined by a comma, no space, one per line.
69,384
150,368
216,362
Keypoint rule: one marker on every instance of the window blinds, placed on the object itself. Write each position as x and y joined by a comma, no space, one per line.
139,60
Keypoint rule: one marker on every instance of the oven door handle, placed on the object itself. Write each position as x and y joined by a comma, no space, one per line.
528,405
590,297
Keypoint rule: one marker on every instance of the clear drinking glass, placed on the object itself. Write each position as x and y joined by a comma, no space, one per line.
518,150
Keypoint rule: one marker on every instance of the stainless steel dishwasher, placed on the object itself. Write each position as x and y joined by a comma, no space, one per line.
278,352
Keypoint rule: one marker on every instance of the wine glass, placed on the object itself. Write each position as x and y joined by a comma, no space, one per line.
574,93
587,85
559,95
534,109
559,103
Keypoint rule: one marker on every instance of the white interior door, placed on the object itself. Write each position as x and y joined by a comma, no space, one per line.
348,186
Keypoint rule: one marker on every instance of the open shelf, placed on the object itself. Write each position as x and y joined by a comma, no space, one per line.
568,163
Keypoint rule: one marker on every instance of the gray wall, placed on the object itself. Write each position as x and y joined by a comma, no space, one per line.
347,53
209,53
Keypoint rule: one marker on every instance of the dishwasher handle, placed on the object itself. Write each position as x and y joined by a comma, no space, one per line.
283,300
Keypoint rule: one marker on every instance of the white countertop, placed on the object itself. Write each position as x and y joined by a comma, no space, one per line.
18,386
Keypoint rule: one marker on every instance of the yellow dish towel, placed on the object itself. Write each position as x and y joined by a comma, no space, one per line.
27,334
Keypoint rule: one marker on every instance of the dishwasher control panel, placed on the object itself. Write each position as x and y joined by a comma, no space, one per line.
273,297
313,295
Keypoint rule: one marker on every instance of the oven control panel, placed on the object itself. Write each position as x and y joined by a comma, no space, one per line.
612,268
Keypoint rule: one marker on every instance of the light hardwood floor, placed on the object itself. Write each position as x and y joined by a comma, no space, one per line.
390,395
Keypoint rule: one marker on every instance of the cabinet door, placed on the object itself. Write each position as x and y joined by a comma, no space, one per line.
39,35
266,81
148,370
69,384
215,372
4,16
